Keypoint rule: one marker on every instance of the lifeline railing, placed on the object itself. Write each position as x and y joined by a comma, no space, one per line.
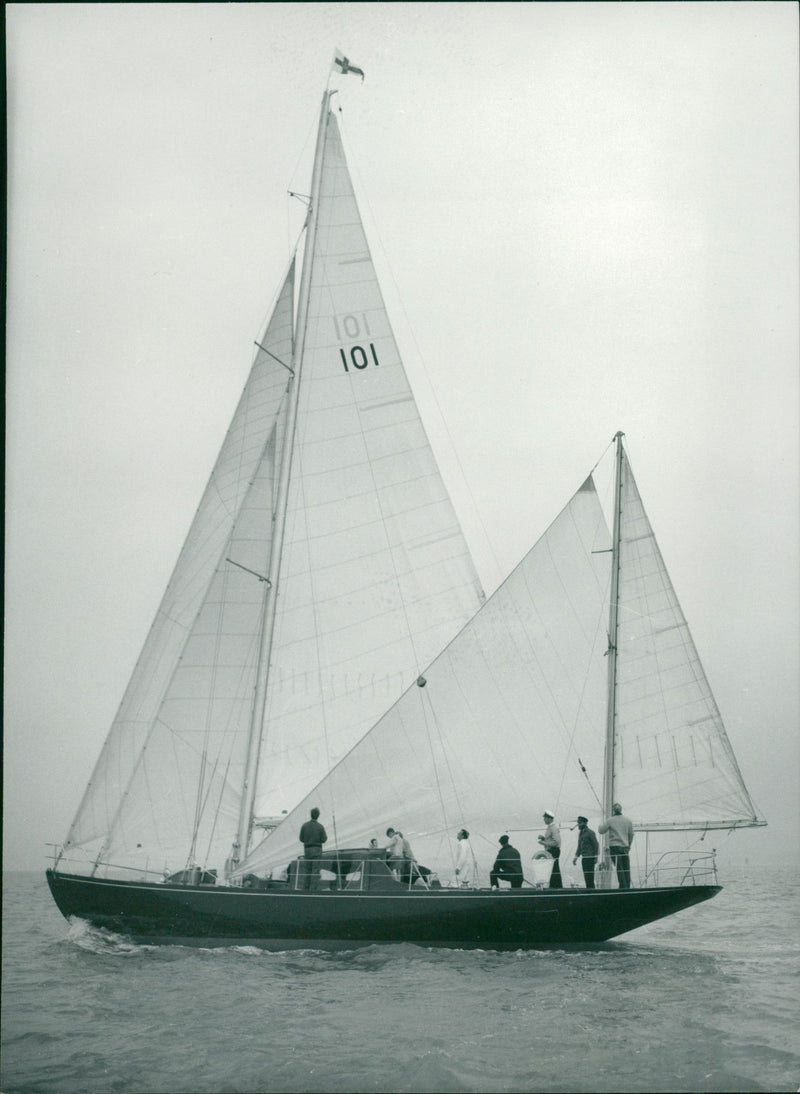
678,868
307,874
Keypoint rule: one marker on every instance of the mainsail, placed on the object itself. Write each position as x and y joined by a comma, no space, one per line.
509,719
377,575
374,575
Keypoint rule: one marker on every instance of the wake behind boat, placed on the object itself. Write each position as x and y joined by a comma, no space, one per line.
324,640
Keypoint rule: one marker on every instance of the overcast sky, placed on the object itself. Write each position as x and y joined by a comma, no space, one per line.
585,218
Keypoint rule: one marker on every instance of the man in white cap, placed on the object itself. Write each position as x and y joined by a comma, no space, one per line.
551,841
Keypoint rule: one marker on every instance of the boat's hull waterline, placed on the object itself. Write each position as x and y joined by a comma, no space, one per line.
279,920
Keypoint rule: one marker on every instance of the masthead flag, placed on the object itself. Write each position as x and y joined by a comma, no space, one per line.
344,66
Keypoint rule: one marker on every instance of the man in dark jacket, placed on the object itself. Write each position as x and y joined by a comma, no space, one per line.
312,837
507,865
586,851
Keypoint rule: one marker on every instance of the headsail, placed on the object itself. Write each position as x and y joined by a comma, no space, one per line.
171,767
674,767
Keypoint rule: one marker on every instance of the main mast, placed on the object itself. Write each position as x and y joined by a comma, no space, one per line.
611,707
279,517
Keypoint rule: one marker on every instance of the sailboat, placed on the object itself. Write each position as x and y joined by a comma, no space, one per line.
324,641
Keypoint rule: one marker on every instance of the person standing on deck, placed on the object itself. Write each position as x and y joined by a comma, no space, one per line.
394,852
408,866
551,841
465,860
586,851
312,837
620,838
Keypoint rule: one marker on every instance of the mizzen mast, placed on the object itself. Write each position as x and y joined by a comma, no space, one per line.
611,653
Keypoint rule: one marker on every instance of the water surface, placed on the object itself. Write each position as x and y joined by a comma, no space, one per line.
704,1001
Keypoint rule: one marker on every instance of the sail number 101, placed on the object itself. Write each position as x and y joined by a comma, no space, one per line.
356,356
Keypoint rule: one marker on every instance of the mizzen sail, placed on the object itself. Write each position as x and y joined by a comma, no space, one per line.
674,767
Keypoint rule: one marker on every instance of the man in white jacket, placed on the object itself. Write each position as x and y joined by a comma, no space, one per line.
465,862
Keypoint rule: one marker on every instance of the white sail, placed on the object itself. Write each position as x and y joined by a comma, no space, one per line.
168,771
504,725
673,763
325,570
375,574
374,577
510,718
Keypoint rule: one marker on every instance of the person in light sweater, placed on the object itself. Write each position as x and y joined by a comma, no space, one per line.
551,842
620,838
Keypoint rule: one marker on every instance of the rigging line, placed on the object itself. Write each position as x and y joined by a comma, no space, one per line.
375,233
639,564
290,266
163,616
139,768
599,628
302,153
421,683
395,548
544,543
428,706
224,575
602,455
327,287
299,477
246,399
272,355
559,722
247,570
248,663
217,811
591,656
198,809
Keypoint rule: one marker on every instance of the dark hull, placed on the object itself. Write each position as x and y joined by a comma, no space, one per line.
276,919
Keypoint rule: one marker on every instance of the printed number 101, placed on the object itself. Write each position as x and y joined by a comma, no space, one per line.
358,357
